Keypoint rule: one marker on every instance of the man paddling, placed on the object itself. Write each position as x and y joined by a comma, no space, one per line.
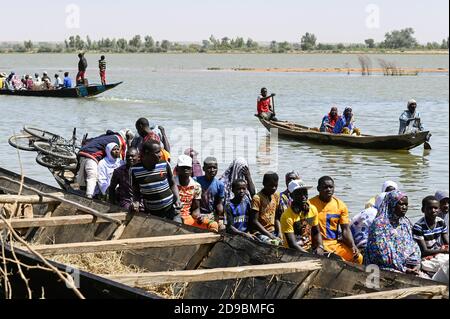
410,119
265,107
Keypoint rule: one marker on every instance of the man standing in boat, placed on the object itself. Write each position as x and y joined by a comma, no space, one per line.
410,120
82,67
265,106
102,69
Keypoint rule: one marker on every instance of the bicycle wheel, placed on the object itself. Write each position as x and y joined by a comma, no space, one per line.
50,161
55,150
41,134
22,142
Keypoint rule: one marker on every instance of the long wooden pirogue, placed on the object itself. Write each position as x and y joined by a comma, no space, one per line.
206,265
301,133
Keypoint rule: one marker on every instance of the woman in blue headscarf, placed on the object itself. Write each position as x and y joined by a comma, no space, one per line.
391,245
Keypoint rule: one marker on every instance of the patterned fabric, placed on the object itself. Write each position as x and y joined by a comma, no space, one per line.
233,172
285,201
153,185
391,245
193,191
267,208
290,219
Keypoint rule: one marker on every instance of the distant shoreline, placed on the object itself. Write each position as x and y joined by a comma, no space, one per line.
401,72
314,52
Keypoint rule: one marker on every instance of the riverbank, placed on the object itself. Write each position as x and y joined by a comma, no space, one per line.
312,52
402,71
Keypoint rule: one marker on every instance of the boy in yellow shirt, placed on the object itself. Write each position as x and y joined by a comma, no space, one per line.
333,213
301,212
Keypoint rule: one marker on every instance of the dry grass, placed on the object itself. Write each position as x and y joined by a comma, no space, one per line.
111,263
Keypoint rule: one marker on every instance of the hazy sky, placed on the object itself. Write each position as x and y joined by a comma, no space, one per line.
194,20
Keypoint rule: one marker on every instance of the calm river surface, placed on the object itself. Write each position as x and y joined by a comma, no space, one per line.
176,90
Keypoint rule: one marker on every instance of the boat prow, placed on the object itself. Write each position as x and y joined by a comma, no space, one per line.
389,142
76,92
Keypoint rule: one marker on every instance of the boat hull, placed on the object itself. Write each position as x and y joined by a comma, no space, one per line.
334,278
76,92
302,133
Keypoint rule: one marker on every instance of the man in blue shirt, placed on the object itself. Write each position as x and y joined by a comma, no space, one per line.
67,81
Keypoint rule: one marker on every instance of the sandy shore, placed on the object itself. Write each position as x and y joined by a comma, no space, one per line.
401,71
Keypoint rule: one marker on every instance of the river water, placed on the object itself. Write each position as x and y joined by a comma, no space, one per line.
206,108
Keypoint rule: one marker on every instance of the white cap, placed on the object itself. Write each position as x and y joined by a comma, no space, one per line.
297,184
184,161
412,101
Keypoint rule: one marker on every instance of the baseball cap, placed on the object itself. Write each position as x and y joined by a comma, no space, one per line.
184,161
297,184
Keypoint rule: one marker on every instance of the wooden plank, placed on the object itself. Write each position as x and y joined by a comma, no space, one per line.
140,280
427,292
63,200
128,244
27,199
60,221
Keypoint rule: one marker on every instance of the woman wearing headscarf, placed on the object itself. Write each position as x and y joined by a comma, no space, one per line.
387,187
346,123
196,165
330,120
391,245
239,169
107,166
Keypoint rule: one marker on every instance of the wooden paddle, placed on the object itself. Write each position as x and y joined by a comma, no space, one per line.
273,105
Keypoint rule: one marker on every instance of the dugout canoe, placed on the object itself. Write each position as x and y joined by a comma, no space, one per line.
302,133
76,92
195,263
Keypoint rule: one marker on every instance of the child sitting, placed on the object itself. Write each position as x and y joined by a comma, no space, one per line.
237,210
431,234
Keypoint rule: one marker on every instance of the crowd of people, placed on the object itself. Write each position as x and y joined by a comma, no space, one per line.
15,82
136,172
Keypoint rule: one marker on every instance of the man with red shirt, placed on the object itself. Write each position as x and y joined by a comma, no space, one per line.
264,106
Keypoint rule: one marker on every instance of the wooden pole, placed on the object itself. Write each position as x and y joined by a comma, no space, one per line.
59,221
128,244
427,291
200,275
65,201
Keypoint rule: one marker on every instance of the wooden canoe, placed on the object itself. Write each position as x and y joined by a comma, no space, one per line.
298,132
198,264
76,92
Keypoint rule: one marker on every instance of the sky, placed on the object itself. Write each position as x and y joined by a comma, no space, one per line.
332,21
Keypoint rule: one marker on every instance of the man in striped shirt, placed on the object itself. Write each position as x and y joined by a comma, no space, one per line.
430,232
102,69
153,182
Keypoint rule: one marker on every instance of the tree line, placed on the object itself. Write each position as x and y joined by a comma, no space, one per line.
396,40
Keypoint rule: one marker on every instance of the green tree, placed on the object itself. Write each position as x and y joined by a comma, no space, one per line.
165,45
122,44
308,42
284,47
251,44
28,45
402,39
370,43
136,42
149,43
444,44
